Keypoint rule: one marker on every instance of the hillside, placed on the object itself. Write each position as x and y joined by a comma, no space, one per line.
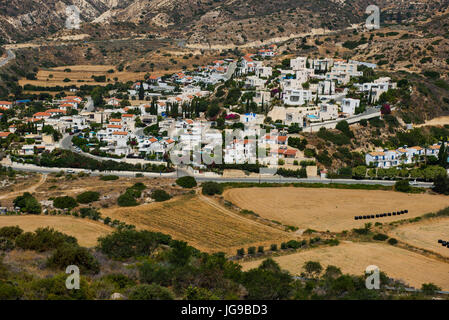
201,20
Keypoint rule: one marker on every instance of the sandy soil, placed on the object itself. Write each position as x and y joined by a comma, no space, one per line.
86,231
353,258
425,234
331,209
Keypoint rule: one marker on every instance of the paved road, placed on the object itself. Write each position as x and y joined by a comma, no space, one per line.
231,70
181,172
89,106
10,56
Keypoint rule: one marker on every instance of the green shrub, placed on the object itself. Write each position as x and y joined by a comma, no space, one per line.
6,244
241,252
274,247
152,272
293,244
90,213
11,232
160,195
380,237
212,188
9,291
251,250
125,244
109,178
27,203
44,239
127,200
392,241
88,197
67,255
65,202
403,186
150,292
186,182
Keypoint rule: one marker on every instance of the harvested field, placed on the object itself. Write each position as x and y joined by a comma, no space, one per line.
81,75
425,234
331,209
412,268
86,231
202,225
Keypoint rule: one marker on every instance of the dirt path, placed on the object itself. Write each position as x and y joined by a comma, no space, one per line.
258,43
440,121
30,189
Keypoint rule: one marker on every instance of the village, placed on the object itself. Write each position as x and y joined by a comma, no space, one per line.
170,118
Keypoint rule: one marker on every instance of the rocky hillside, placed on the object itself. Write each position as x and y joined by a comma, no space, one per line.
218,21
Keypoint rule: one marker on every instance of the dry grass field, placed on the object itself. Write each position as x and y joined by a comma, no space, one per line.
86,231
425,234
330,209
412,268
81,75
201,224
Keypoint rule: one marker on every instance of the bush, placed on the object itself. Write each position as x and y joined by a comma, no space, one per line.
380,237
403,186
151,272
88,197
109,178
150,292
274,247
429,289
10,232
241,252
90,213
27,203
293,244
44,239
127,200
160,195
125,244
65,203
67,255
251,250
9,291
392,241
186,182
6,244
212,188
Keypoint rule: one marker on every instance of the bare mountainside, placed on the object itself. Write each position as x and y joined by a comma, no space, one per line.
217,21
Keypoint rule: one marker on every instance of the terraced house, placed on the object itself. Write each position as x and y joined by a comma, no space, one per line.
405,155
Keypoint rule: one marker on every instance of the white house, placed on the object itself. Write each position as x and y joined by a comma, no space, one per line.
349,105
264,72
298,63
297,97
